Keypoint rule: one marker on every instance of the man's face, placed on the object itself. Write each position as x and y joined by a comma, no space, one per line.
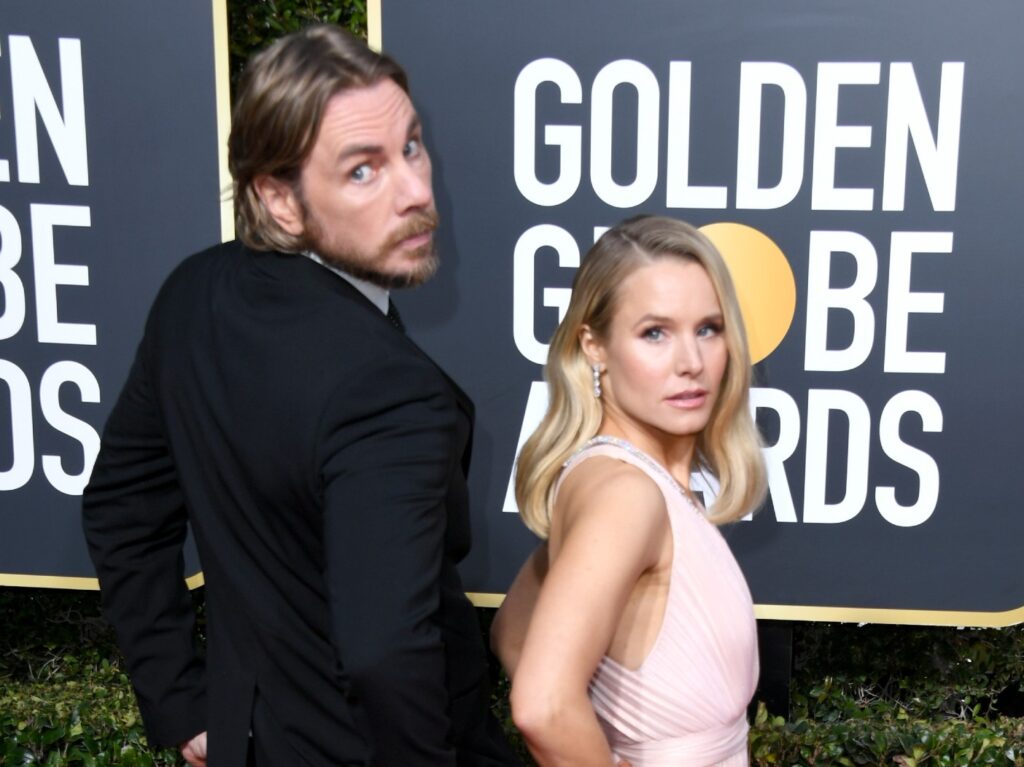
364,200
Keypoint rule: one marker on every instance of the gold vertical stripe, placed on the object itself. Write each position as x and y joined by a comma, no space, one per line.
374,33
222,81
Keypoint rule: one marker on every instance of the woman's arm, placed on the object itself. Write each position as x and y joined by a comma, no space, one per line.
508,631
610,527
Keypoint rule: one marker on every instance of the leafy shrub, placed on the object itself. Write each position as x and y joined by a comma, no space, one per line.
898,695
877,738
875,695
254,24
64,698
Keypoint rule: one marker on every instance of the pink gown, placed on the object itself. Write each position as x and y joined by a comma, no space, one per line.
686,703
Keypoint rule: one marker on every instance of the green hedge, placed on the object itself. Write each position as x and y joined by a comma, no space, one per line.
64,699
253,24
860,696
899,695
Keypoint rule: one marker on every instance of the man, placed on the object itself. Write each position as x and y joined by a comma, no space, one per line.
277,405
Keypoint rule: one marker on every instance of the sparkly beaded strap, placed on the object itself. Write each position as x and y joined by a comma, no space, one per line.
640,455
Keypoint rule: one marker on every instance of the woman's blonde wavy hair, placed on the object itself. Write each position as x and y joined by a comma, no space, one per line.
729,447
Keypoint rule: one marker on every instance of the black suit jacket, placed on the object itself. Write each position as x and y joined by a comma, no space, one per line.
320,457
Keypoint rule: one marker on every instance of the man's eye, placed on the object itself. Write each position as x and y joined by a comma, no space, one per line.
413,147
361,173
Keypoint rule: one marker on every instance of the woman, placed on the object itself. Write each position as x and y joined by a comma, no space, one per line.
641,645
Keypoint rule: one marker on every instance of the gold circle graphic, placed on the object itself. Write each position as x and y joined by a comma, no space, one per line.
764,282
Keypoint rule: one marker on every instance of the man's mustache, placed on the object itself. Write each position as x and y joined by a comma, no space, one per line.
419,223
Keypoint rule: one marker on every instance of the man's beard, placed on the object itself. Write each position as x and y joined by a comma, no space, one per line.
360,265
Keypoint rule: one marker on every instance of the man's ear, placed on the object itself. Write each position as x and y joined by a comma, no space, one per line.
282,202
592,348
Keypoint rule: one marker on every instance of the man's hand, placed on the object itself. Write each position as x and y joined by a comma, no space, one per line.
194,750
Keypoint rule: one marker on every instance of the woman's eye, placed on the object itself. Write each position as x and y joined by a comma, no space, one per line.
654,333
711,329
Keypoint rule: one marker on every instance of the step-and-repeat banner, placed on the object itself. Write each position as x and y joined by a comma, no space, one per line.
110,173
861,166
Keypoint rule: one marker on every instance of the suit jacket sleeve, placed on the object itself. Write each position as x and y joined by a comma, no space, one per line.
386,473
135,524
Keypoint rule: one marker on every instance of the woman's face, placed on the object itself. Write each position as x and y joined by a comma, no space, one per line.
665,351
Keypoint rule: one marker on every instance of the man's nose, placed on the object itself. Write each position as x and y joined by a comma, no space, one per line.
414,187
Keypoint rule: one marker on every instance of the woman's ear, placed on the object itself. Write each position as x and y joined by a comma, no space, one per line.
282,202
591,346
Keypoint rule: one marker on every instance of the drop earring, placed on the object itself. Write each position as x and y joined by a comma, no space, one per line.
596,369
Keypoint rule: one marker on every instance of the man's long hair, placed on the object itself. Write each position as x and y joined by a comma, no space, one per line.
281,99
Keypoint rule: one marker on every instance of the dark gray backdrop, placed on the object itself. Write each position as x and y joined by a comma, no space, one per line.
464,57
153,197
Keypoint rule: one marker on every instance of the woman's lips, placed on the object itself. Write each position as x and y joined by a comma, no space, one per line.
688,400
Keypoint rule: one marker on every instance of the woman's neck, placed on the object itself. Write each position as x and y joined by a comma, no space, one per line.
674,452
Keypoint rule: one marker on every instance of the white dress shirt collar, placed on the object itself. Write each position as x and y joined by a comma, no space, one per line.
377,295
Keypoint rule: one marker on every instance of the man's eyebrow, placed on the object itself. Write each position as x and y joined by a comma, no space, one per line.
371,149
357,150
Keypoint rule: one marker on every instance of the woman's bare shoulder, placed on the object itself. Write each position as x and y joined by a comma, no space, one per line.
604,487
